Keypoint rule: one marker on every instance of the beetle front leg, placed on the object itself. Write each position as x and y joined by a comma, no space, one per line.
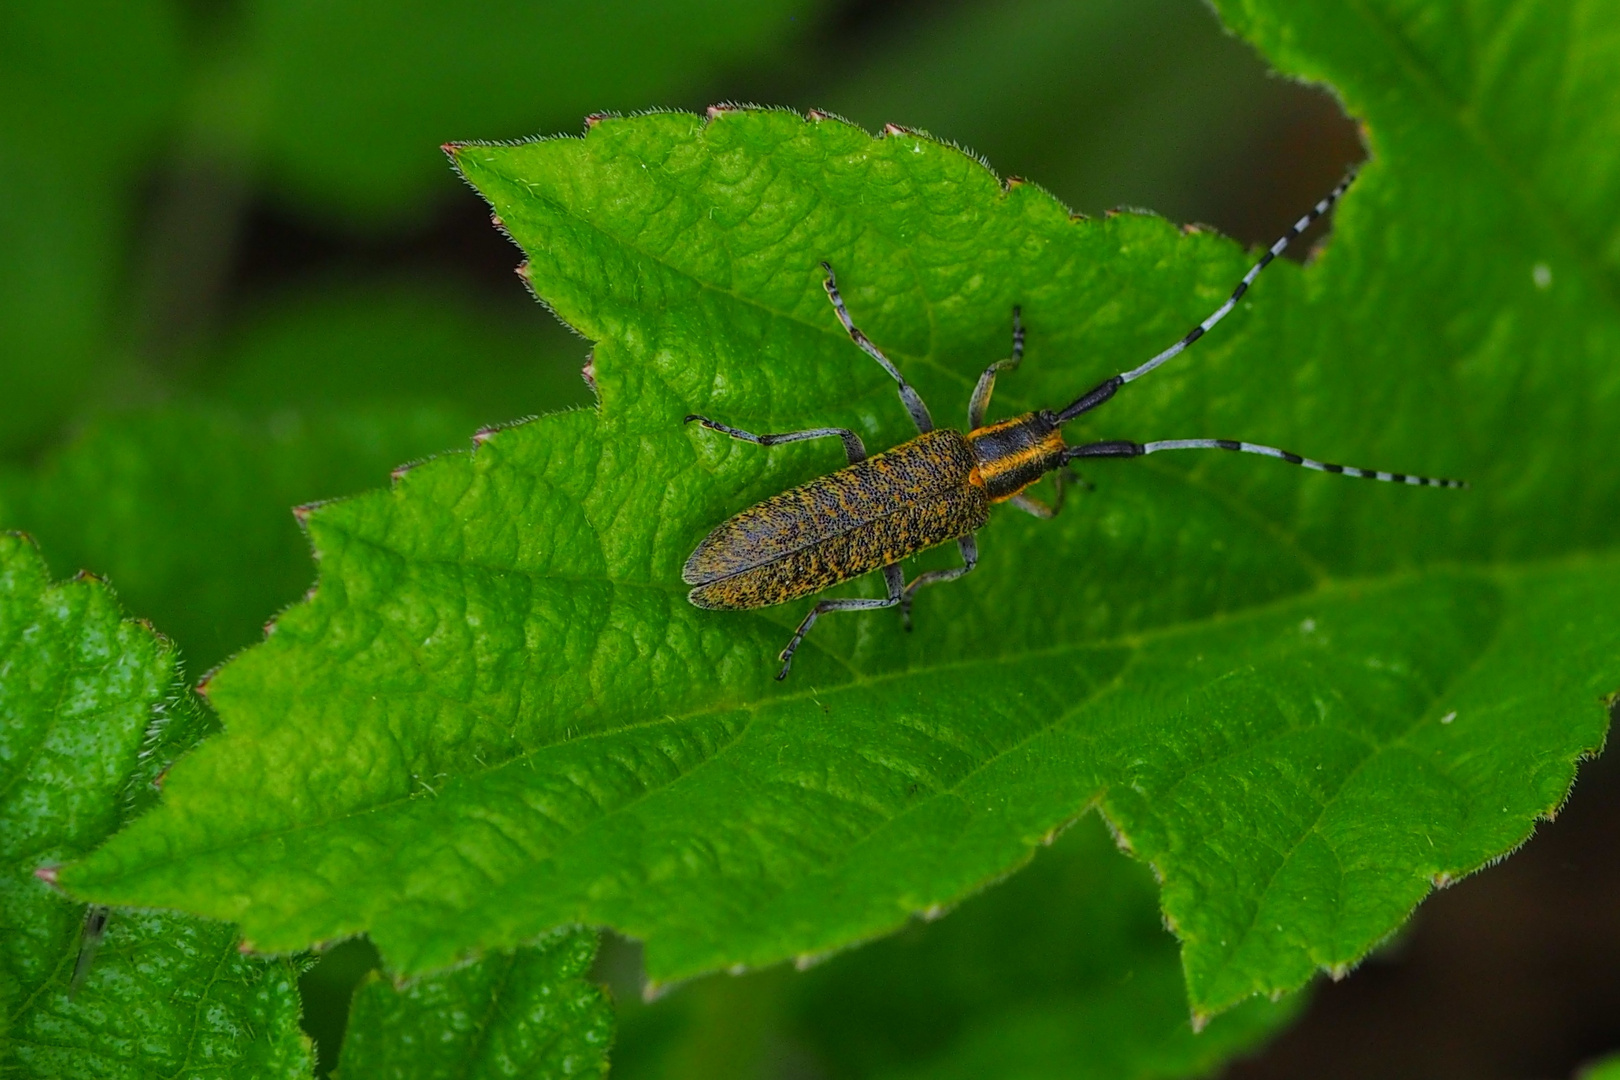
892,576
969,547
1063,478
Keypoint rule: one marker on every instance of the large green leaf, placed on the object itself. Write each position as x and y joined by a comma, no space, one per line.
1064,971
92,714
529,1012
1303,700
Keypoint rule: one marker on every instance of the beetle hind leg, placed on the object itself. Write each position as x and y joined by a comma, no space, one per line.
969,548
892,576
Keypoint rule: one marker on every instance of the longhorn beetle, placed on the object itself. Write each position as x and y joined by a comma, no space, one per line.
937,487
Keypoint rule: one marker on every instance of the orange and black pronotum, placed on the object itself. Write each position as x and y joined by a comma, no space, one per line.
937,487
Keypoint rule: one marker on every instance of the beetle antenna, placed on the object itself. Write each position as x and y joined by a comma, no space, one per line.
1101,393
1124,448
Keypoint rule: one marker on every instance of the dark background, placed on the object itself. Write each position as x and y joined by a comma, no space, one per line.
170,255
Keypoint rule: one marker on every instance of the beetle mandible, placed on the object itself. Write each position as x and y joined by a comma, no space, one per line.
938,487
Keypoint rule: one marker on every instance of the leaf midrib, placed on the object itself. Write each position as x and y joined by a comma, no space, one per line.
1134,641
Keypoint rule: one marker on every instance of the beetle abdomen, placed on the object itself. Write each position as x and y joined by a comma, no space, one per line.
840,526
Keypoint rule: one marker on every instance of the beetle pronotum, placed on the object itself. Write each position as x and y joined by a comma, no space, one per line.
937,487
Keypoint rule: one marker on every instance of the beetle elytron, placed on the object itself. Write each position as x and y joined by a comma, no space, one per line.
937,487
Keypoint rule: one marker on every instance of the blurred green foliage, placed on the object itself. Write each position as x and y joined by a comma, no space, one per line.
163,403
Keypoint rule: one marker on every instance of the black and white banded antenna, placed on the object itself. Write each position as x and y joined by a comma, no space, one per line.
1108,388
1125,448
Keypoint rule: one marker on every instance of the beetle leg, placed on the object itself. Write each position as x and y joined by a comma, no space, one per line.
970,558
980,401
908,397
892,575
1061,480
854,449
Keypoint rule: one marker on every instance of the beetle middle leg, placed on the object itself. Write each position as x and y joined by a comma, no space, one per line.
980,401
969,547
893,576
854,449
908,397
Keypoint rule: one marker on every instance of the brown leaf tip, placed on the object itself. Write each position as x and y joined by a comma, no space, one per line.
484,434
817,115
895,129
302,512
246,947
596,118
451,149
588,372
1012,182
47,874
715,112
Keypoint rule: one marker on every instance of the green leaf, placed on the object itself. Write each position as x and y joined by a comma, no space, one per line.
1304,701
1064,971
93,713
378,85
1607,1069
188,506
529,1012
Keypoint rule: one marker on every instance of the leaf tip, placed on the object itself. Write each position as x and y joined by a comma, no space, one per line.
715,112
596,118
48,874
817,115
451,149
90,576
588,372
398,472
896,129
246,947
932,913
302,512
1013,182
1337,972
1200,1020
1442,880
652,990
